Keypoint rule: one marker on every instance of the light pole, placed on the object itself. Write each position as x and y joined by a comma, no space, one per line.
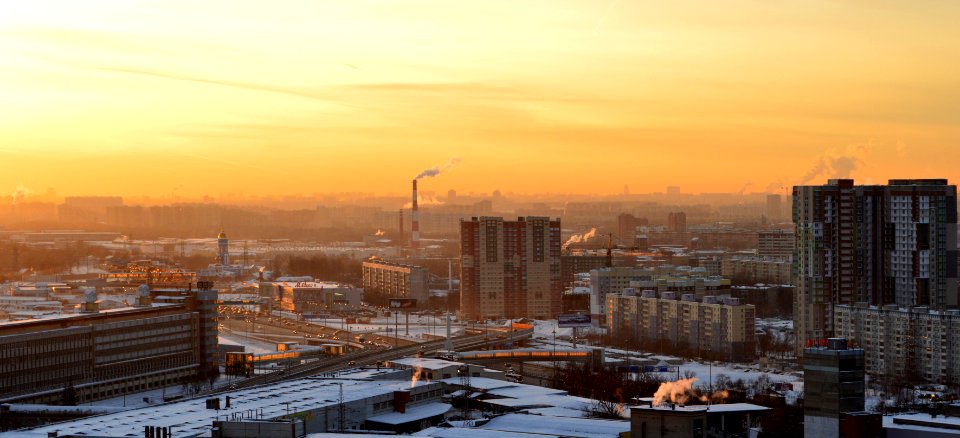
554,356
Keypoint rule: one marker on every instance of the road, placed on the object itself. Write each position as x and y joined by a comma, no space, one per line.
374,354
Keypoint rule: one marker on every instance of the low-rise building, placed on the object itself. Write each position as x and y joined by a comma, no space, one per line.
317,296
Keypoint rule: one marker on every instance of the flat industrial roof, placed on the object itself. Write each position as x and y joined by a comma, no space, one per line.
191,417
415,413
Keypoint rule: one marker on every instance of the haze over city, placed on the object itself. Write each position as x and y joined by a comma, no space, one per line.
479,218
583,97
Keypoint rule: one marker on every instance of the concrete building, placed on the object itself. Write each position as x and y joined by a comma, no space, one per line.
774,208
571,265
833,386
677,222
673,421
357,401
510,269
903,344
627,225
893,244
663,278
777,244
396,280
169,338
717,327
757,269
317,296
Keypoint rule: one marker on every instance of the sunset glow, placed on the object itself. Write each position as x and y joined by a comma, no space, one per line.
573,96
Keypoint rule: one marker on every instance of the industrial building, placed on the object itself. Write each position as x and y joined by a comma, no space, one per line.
317,296
670,420
510,269
833,386
170,337
717,327
377,401
396,279
892,244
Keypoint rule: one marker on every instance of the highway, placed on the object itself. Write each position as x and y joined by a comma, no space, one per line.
377,353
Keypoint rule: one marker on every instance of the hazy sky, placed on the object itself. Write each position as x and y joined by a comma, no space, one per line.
136,97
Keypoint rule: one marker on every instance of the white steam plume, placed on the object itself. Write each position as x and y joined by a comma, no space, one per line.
435,170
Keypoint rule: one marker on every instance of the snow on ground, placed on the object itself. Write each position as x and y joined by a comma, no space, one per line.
702,370
250,344
419,326
544,329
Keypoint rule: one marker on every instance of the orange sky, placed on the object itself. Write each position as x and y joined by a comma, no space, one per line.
134,97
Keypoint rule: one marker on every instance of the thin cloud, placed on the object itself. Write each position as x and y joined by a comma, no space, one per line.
289,91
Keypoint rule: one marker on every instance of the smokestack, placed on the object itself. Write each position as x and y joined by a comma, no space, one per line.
400,217
415,220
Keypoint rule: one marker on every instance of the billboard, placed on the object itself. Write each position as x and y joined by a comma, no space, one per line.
573,320
403,303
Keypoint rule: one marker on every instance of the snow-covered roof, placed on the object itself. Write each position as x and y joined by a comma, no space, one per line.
415,413
191,416
562,426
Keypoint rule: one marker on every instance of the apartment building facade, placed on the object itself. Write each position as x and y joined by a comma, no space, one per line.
510,269
102,354
715,327
904,344
396,279
892,244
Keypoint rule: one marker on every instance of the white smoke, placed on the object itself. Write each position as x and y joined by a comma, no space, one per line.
434,171
578,238
20,194
682,392
839,163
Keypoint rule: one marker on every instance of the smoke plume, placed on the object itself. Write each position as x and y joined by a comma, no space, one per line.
577,238
681,392
839,163
19,194
435,170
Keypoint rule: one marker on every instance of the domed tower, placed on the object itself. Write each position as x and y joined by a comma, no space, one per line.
223,245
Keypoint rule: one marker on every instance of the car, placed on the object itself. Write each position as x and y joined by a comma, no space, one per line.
351,363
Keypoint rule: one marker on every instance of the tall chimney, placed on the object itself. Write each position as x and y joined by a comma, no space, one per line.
400,217
415,220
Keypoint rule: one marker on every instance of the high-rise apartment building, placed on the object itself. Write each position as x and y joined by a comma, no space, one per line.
677,222
627,228
774,207
893,244
510,269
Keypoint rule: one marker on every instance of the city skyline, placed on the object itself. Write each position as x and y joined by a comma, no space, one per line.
579,97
